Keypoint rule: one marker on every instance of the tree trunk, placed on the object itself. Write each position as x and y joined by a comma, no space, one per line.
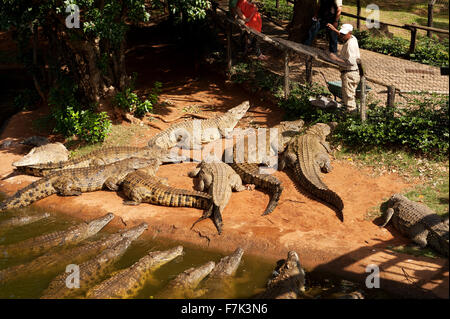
301,20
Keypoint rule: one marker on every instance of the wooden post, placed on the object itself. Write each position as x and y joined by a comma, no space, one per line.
358,13
308,71
229,61
286,74
277,4
412,45
391,96
363,99
430,16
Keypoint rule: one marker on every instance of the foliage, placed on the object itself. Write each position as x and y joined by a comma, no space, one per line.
190,10
26,99
283,12
420,126
428,50
69,117
130,102
254,73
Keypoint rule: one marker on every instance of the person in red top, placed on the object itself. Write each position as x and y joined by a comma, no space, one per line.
248,12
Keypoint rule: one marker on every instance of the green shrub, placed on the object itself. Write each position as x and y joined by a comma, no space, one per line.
93,127
420,126
428,50
71,119
130,102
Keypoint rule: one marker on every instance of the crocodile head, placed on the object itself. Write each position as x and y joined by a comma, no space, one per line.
289,129
138,162
97,224
320,129
162,257
228,265
135,232
239,111
195,275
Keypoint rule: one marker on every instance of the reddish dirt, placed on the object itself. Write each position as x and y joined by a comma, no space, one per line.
298,223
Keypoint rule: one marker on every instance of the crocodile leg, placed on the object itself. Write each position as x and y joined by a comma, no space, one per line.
324,162
419,235
112,184
389,214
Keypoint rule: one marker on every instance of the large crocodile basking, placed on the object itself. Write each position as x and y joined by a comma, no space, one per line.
307,155
128,282
289,280
55,262
219,284
219,179
187,135
72,182
43,243
89,272
247,157
418,222
103,156
141,187
184,285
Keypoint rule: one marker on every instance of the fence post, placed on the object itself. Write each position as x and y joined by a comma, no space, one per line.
363,99
358,13
286,74
430,16
412,45
229,61
308,71
277,3
391,96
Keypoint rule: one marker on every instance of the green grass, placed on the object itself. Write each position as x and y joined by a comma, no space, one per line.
431,177
414,250
119,136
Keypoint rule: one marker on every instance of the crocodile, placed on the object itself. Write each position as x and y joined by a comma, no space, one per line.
43,243
55,262
307,155
288,281
98,157
187,135
218,283
89,272
128,282
140,186
23,219
53,152
249,170
219,179
72,182
183,286
418,222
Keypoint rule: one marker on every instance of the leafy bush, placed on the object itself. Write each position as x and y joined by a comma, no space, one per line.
420,126
130,102
428,50
70,119
254,73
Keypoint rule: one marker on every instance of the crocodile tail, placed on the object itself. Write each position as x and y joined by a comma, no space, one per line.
322,192
30,194
250,174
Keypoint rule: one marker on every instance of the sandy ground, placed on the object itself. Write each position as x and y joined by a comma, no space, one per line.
299,223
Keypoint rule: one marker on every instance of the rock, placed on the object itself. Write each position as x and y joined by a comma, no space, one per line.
53,152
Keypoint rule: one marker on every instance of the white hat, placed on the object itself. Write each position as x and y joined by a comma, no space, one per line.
346,28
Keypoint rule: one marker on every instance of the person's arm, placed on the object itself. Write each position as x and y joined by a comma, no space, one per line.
239,13
338,16
252,15
332,28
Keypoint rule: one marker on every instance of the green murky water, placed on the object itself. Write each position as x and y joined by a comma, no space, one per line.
249,280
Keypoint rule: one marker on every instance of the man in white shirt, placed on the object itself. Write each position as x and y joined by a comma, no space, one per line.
327,12
350,55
